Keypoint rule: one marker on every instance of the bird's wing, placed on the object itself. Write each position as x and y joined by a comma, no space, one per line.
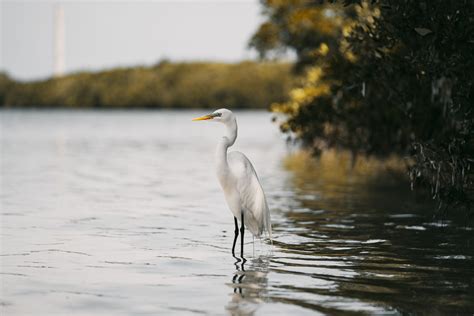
252,196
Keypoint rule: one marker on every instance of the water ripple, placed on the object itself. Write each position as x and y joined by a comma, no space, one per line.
118,213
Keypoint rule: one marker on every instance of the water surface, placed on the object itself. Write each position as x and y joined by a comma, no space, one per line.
120,213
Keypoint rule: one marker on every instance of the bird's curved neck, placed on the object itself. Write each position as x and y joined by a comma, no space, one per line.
226,142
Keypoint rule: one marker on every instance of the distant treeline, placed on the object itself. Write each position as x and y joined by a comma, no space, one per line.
165,85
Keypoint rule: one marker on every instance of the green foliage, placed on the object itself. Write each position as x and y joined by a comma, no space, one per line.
383,77
165,85
5,85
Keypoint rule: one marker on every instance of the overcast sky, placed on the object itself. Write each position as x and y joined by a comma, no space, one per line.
105,34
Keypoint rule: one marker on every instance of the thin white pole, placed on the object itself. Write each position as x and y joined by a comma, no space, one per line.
59,37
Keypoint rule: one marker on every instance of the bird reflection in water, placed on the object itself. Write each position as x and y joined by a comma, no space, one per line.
249,285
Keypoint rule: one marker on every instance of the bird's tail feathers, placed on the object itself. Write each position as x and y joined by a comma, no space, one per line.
268,223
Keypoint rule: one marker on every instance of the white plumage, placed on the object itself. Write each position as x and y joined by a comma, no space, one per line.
238,179
252,198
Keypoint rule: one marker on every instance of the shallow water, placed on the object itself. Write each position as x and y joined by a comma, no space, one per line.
120,213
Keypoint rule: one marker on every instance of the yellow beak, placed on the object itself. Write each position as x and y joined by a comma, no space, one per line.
203,118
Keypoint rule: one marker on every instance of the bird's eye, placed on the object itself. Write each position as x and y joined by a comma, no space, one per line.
217,114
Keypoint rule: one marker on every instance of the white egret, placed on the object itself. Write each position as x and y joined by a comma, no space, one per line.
242,189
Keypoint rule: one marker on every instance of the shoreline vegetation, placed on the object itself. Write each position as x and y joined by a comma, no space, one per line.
381,78
166,85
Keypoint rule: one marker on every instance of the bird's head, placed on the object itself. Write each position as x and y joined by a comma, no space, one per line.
221,115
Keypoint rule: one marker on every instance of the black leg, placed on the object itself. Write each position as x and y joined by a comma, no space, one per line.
242,237
236,234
